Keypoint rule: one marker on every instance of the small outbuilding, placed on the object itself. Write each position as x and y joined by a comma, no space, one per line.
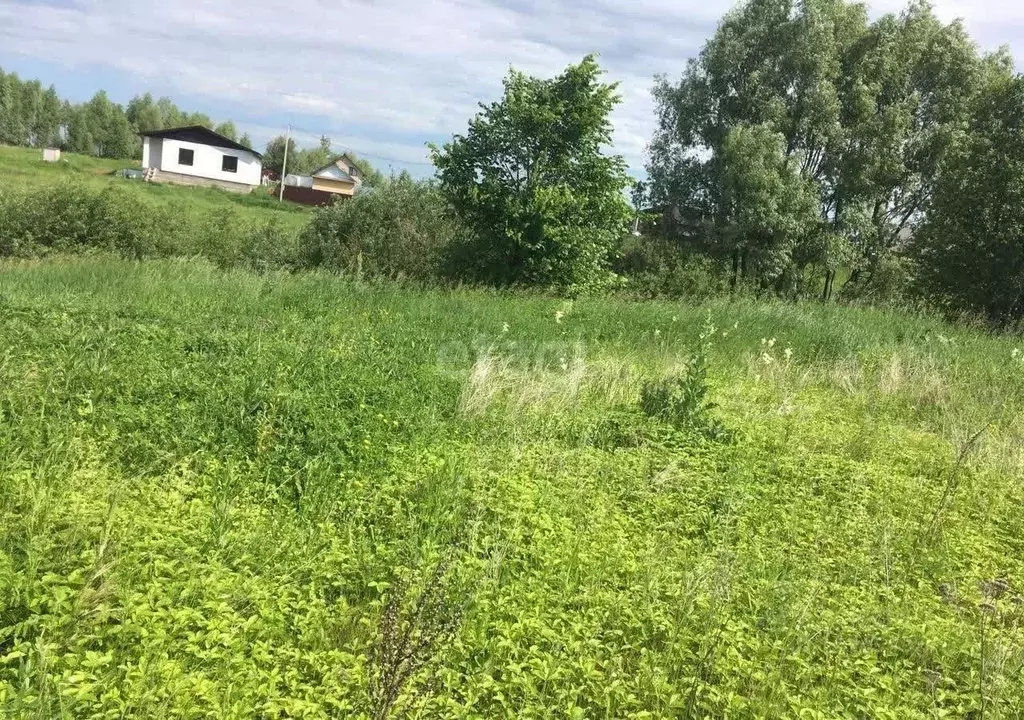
196,155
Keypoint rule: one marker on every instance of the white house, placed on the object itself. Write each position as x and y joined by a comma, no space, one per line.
196,155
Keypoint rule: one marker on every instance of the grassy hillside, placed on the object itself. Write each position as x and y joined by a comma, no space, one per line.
229,495
24,167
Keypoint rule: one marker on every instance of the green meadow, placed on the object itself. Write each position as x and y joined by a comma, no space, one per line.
230,495
23,170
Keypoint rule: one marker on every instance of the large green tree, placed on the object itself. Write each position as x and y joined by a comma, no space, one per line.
170,114
198,118
970,250
529,178
12,126
79,135
772,208
46,130
273,155
862,115
100,127
144,114
227,129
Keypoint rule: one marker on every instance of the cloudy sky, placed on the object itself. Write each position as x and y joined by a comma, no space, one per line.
380,77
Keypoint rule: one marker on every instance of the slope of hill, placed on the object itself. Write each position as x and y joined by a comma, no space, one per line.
23,167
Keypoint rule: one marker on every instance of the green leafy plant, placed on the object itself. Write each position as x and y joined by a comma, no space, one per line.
683,400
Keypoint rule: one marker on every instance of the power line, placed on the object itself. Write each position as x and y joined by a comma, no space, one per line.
284,166
361,153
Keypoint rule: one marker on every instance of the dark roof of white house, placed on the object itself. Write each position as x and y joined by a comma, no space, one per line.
201,135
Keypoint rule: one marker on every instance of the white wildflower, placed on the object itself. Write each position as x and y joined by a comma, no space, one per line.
657,333
504,327
559,314
789,353
771,343
767,359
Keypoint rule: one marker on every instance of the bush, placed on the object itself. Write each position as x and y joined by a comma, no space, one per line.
267,246
221,237
682,400
121,223
402,229
56,218
890,282
655,267
74,218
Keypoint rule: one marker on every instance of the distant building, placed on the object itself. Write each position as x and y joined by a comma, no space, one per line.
341,177
340,180
270,177
196,155
51,155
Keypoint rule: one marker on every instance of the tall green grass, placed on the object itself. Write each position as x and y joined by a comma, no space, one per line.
222,493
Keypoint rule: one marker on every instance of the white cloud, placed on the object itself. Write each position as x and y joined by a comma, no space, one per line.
390,74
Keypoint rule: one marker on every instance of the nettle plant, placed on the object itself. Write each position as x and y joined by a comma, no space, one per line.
683,400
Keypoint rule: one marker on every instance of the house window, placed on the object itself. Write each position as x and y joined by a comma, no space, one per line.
185,157
229,164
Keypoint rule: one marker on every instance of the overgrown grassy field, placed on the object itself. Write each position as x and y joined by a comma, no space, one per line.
24,167
227,495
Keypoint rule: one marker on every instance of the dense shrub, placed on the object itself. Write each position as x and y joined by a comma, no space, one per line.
655,267
267,246
402,229
74,218
890,282
40,220
70,218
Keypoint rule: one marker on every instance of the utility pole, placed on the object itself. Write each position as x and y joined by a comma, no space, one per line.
284,166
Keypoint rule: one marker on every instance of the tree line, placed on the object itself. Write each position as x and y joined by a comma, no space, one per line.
304,161
34,116
806,142
807,151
